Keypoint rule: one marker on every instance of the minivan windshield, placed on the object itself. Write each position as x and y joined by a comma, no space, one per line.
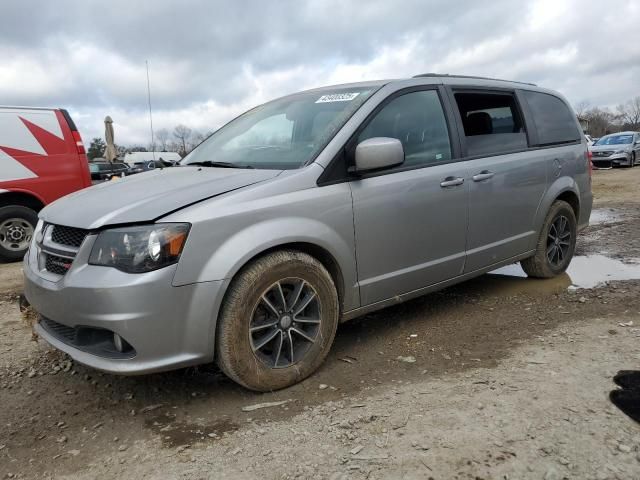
615,140
286,133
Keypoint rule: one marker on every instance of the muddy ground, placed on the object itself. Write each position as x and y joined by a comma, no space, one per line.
510,380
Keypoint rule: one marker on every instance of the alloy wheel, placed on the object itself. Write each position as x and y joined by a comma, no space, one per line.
558,241
285,322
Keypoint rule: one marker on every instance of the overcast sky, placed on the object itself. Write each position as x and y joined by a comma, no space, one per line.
211,60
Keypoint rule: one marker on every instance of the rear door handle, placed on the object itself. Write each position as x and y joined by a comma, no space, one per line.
451,182
483,175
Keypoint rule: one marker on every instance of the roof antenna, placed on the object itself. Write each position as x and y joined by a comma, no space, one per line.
153,145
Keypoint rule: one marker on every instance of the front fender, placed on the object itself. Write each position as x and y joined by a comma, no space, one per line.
238,249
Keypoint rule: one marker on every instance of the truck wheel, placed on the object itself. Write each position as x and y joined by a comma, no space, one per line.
277,322
556,243
17,224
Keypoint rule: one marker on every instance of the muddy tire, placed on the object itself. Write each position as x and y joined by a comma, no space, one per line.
556,243
17,224
277,322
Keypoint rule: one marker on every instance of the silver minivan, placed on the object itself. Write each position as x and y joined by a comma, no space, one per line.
306,211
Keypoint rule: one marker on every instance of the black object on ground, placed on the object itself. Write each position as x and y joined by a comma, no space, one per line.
627,399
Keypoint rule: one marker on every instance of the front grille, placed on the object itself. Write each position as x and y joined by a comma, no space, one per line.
57,265
602,154
70,236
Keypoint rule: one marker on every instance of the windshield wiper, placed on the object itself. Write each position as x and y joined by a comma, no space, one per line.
209,163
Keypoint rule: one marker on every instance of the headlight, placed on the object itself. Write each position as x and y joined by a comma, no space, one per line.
620,151
140,249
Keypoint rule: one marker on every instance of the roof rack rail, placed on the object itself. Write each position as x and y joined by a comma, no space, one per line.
470,76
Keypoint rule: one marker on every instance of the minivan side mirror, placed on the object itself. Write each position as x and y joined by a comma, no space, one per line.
378,152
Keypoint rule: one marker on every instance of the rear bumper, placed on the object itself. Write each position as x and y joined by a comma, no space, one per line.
168,327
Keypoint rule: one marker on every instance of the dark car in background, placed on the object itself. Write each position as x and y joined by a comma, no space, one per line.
140,167
101,171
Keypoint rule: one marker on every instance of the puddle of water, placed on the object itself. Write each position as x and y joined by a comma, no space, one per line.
586,271
603,215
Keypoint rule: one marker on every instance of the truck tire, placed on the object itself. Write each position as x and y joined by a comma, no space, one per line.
277,322
556,243
17,224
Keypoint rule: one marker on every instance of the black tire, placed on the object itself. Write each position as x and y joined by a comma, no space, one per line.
540,265
237,352
632,162
11,249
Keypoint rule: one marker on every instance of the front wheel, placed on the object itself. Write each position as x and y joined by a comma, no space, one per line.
17,224
556,243
278,321
632,160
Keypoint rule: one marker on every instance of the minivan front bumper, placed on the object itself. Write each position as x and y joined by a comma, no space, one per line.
167,327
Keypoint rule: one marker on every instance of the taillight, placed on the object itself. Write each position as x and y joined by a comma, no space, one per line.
74,131
78,139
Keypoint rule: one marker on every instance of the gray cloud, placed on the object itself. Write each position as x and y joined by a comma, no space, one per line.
211,60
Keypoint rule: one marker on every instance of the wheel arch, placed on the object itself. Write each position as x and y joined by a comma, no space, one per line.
321,254
572,199
564,188
23,199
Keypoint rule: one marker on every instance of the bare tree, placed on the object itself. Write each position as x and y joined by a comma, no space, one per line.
162,136
173,146
600,121
581,108
196,138
183,135
629,113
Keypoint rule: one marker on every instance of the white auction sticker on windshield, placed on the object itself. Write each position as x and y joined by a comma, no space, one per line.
338,97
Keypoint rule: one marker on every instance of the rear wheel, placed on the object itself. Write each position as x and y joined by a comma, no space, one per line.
556,243
17,224
278,321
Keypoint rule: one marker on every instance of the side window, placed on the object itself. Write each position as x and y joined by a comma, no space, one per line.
553,119
417,120
492,123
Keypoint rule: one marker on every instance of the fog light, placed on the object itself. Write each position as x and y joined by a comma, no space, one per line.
117,341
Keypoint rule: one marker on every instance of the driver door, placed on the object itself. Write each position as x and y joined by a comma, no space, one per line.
411,220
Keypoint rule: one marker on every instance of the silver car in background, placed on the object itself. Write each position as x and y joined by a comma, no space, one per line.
306,211
621,148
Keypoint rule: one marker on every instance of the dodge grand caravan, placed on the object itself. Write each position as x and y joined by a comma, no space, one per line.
306,211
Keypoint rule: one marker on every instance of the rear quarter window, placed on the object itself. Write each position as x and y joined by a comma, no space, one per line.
554,121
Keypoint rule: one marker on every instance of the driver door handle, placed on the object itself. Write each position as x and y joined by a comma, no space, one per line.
483,175
451,182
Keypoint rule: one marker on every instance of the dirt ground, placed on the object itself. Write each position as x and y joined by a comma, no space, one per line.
501,377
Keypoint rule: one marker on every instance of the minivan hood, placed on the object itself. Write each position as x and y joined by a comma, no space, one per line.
147,196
